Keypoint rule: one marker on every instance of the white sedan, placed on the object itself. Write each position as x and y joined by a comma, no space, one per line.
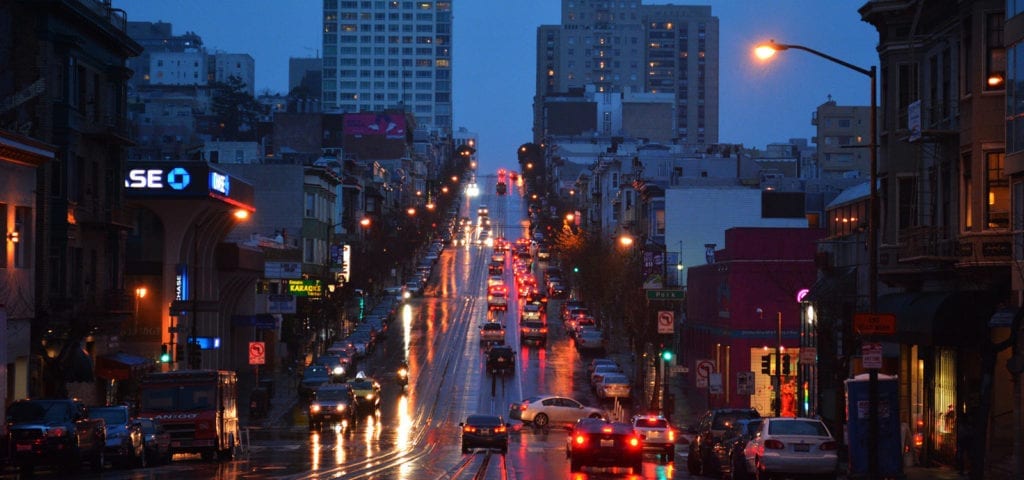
792,446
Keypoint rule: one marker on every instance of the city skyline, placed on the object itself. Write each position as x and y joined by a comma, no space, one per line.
493,87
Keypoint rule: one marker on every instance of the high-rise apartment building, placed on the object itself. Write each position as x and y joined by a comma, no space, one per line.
626,46
387,54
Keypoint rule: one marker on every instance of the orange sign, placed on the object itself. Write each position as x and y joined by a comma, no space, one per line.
874,323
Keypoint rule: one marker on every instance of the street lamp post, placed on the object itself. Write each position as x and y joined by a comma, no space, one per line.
766,51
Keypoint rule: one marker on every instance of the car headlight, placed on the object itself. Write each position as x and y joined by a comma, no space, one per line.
339,370
340,408
314,407
369,396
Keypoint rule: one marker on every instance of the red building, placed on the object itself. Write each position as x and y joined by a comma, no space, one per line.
735,306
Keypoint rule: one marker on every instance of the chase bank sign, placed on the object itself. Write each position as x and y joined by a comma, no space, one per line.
185,179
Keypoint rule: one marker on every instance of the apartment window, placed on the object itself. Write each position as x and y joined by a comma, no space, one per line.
1018,221
310,206
907,201
997,189
308,250
968,191
908,93
1015,101
995,53
4,230
966,47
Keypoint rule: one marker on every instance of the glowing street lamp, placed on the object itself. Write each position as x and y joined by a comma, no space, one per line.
364,222
626,240
411,211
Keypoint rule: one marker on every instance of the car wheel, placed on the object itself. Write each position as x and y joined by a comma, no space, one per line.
693,463
739,468
97,462
540,420
465,450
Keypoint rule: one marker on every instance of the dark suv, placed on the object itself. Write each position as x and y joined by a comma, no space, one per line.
596,442
712,425
501,359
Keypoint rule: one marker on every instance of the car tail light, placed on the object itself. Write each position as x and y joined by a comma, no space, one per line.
56,432
468,429
581,439
634,442
606,429
774,444
671,435
499,429
829,446
543,329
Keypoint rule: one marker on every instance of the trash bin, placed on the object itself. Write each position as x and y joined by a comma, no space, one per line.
259,403
268,385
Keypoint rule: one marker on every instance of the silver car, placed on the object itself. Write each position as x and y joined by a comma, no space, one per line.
552,409
792,446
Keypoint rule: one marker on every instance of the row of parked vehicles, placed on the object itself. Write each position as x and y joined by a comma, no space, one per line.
738,443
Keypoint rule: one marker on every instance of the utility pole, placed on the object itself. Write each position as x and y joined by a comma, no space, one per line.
778,369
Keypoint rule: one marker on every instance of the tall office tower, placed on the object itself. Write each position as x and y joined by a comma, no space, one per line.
386,54
626,46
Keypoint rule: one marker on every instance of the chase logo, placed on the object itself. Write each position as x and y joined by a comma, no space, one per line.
178,178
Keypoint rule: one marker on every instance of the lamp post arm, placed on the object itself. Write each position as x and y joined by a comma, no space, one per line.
864,71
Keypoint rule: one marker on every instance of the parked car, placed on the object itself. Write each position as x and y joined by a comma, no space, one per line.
125,445
156,439
590,341
594,362
600,371
56,432
543,410
784,447
712,425
484,431
729,451
596,442
657,434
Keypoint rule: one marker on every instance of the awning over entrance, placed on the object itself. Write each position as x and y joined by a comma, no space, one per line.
122,366
936,318
266,321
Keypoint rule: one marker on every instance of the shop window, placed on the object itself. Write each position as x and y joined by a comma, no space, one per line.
997,198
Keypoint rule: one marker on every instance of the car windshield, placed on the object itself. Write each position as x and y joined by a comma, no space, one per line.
38,411
361,385
333,394
484,420
645,422
492,326
797,427
171,398
724,421
113,416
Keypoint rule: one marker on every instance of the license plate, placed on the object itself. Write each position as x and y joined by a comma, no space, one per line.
801,447
485,431
607,443
24,448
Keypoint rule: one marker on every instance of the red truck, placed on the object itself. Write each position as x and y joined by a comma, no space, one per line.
197,407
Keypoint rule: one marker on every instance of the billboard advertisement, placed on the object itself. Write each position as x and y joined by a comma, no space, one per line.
387,125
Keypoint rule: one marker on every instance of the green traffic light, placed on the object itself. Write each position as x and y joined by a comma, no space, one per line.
666,355
575,269
164,358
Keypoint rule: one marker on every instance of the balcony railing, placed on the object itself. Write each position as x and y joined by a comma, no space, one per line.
925,242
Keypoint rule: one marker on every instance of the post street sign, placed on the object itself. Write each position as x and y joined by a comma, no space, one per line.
664,294
874,323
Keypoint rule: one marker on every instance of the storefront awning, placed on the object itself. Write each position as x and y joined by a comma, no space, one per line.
122,366
937,318
833,288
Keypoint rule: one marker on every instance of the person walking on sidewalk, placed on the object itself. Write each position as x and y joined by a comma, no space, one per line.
963,442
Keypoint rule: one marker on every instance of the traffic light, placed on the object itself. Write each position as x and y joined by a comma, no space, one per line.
766,364
667,355
785,364
165,354
575,269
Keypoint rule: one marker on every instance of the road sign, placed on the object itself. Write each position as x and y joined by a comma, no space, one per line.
744,383
704,369
257,353
808,355
664,294
874,323
715,384
666,321
871,355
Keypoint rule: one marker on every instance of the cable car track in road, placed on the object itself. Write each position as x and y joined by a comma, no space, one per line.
424,441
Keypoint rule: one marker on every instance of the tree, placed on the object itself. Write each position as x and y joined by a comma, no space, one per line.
235,111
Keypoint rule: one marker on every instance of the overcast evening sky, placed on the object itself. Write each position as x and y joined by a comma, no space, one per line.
494,65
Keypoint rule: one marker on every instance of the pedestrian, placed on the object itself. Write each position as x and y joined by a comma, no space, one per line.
963,442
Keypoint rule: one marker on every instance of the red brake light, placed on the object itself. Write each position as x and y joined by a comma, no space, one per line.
523,406
634,442
829,446
671,435
499,429
774,444
580,439
468,429
606,429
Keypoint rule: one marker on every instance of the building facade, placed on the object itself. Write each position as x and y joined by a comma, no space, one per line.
838,130
386,55
630,47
